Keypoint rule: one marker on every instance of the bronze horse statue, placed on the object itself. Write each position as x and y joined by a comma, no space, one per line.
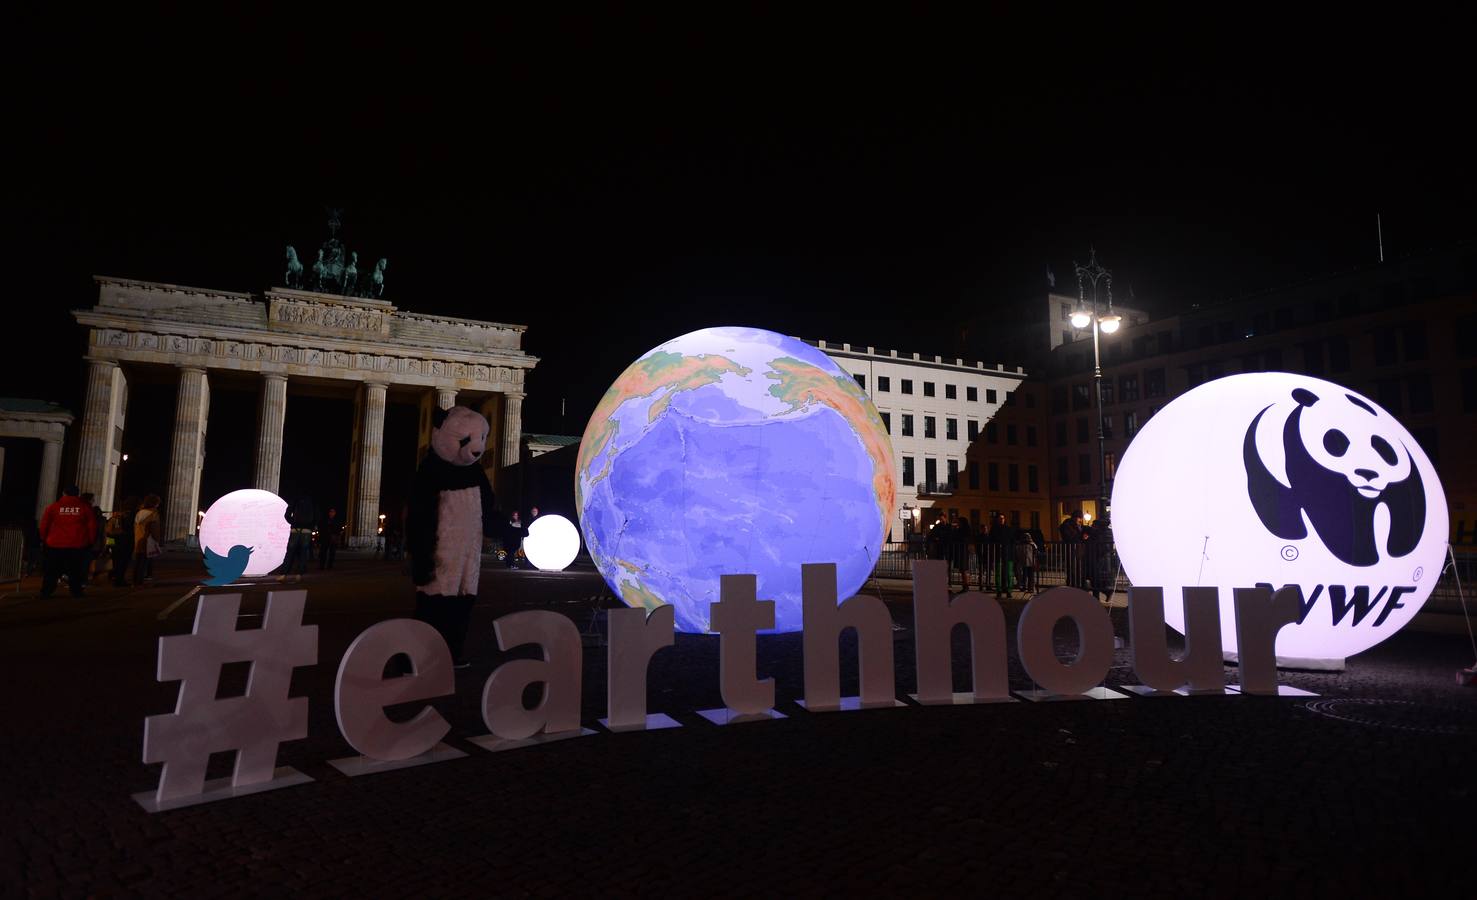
294,268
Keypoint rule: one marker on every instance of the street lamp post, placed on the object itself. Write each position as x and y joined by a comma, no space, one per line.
1091,274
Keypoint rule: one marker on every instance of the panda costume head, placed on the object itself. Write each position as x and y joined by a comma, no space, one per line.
458,435
1345,459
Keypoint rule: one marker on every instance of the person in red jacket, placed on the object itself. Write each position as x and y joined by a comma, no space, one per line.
68,529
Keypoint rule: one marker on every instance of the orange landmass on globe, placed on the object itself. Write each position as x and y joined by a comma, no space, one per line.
801,384
633,592
672,372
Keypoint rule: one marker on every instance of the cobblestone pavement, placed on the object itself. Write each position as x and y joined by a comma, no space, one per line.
1210,796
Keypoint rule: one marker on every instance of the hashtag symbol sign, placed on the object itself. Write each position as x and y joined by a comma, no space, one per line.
252,724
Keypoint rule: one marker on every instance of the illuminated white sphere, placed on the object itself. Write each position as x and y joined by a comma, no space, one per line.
248,518
1282,479
552,543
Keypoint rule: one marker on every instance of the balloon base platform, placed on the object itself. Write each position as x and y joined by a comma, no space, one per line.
354,766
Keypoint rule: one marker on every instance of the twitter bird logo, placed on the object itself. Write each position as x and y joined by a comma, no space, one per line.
226,569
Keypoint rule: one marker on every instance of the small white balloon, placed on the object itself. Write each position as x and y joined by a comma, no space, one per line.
552,543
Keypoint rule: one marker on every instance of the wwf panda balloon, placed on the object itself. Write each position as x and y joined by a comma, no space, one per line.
1278,479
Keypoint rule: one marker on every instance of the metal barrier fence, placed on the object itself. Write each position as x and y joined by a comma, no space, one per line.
1056,563
1059,563
12,546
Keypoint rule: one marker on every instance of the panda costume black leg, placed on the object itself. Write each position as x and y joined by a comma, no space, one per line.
451,514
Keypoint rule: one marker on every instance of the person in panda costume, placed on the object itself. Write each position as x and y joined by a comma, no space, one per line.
451,515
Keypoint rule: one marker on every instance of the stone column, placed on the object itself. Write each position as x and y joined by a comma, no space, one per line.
445,399
371,456
99,418
512,425
51,468
269,432
192,407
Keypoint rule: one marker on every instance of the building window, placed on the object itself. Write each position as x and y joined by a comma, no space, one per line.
929,427
1154,383
993,471
1107,426
971,393
1414,336
1426,437
907,471
1035,520
1107,388
907,385
1419,386
1128,388
992,434
931,474
1312,358
1032,483
928,388
1010,434
1030,400
1384,347
886,422
1110,465
951,429
951,392
1388,391
1030,435
1061,472
861,381
1338,353
1066,337
1066,313
974,476
1058,399
1015,518
884,384
907,424
1081,397
1084,468
990,395
953,470
1013,477
1061,434
1130,424
1461,336
974,429
1081,429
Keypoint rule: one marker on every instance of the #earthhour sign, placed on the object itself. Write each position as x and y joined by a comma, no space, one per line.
1271,516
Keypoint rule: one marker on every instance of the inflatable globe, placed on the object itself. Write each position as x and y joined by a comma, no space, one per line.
733,451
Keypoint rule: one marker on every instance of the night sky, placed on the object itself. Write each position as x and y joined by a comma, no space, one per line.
613,182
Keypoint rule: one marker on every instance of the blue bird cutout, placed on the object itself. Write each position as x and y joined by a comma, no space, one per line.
226,569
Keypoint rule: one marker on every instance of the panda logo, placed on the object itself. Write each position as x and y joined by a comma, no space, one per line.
1345,459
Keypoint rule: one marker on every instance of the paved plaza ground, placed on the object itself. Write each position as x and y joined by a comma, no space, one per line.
1201,797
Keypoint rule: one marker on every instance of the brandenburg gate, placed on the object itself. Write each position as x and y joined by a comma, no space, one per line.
286,337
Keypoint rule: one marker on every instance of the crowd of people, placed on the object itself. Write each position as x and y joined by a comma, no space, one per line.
1007,558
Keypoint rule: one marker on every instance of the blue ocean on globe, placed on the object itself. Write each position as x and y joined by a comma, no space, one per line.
733,451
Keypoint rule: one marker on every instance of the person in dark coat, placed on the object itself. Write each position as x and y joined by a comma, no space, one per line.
303,517
1071,534
960,537
1102,566
1002,546
120,540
